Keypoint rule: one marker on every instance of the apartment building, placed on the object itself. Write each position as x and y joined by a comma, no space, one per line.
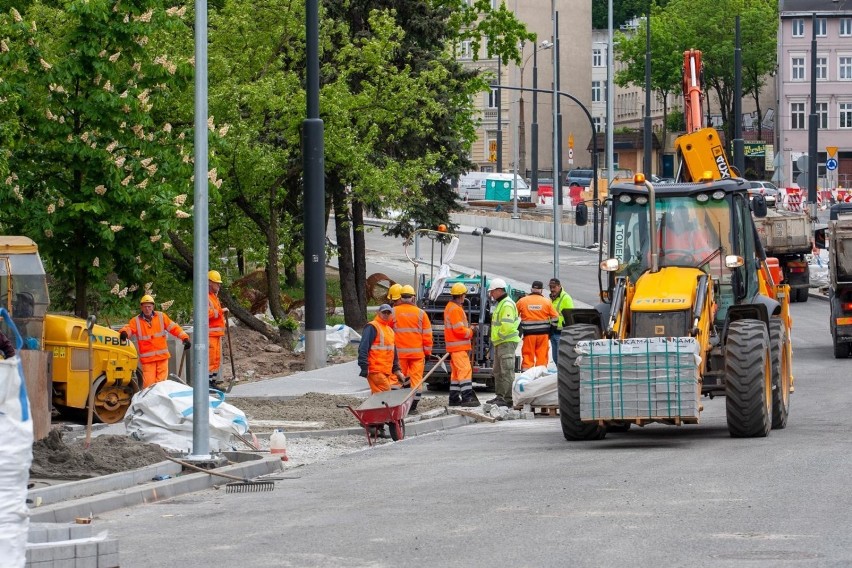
832,20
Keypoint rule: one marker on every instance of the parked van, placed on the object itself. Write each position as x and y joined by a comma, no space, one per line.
472,185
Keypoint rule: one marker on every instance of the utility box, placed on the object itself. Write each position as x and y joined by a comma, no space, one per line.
498,190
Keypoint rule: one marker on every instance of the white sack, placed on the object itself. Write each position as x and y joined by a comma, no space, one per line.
336,337
535,386
16,456
162,414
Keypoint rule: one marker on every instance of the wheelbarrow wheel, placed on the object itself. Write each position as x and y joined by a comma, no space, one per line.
397,430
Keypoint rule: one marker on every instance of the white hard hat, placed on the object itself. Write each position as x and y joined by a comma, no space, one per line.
496,283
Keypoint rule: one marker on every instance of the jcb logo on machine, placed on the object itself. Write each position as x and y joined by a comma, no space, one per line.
721,163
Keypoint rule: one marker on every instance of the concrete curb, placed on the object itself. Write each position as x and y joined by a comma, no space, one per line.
150,492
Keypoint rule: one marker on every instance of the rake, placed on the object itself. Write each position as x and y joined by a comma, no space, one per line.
239,485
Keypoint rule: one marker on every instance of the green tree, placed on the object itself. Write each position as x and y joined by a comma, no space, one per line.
97,175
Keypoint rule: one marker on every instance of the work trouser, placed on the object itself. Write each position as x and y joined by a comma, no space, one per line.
534,351
381,382
154,372
215,354
461,375
413,369
504,370
554,347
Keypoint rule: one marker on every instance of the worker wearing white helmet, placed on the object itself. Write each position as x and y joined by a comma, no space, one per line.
505,339
217,319
457,339
150,328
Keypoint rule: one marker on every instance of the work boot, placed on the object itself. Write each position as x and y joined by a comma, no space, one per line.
469,399
413,409
455,399
496,400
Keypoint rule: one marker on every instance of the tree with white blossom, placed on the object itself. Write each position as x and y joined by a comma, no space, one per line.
95,170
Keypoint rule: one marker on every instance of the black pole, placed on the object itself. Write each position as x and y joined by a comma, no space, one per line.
534,127
499,120
739,144
813,123
314,173
649,149
557,159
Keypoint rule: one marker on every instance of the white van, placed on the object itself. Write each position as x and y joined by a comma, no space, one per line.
472,185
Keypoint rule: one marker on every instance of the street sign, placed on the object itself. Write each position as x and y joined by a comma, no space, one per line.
831,164
571,141
492,151
802,163
832,150
802,180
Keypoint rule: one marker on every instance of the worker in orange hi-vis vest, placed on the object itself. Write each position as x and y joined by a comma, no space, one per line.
150,329
457,336
217,318
413,337
377,356
538,319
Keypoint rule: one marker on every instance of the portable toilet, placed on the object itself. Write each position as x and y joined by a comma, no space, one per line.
498,190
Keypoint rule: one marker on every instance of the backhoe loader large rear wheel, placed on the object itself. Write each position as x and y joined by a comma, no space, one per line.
779,349
569,385
748,379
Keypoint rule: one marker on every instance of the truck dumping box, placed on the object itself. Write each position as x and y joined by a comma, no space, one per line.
640,378
842,241
784,232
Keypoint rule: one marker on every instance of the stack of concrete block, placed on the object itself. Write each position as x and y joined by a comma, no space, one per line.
69,545
639,379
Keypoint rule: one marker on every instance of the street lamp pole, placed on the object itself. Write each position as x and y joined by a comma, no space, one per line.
557,182
610,134
534,146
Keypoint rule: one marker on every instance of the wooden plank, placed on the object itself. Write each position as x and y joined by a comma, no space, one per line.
469,413
287,424
37,372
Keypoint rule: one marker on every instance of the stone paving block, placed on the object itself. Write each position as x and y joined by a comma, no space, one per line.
64,551
85,549
37,533
108,561
108,546
64,563
79,531
86,562
40,554
57,533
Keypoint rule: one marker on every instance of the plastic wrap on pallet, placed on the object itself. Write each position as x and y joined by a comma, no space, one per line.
639,378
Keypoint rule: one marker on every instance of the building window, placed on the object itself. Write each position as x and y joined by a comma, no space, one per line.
798,27
797,68
845,27
464,50
597,58
845,115
820,27
844,68
493,94
822,115
598,123
822,68
797,116
597,92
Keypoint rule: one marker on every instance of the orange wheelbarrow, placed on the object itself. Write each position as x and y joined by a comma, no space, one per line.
389,407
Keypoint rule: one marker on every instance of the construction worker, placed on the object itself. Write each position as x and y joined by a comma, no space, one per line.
505,339
150,328
394,294
217,319
6,347
561,301
413,339
457,336
377,355
538,320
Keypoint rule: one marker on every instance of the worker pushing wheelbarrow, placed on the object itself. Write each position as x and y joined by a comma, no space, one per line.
388,407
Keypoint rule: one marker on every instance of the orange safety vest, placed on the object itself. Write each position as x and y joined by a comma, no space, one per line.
151,337
457,333
537,314
412,332
380,359
215,316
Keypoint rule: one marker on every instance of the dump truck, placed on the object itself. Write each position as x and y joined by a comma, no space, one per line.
709,318
786,235
837,237
24,294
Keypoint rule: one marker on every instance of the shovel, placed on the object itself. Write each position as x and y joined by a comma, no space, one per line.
90,324
230,384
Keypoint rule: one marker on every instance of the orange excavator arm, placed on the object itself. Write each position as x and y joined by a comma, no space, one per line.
693,92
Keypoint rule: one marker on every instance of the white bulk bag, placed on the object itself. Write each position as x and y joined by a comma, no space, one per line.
535,386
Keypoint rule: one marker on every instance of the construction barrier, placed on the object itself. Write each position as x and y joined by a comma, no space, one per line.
793,199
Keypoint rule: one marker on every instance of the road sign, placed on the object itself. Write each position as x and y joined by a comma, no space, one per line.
802,180
802,163
832,150
571,141
831,164
492,151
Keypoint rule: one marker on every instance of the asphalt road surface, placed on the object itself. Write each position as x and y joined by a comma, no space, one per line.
517,494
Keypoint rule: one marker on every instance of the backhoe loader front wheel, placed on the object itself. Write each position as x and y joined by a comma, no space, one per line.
748,379
569,385
779,349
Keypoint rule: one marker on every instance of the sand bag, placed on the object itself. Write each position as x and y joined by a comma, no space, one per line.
162,414
535,386
16,455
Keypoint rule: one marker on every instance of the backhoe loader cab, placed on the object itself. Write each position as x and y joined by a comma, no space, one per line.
690,306
23,292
